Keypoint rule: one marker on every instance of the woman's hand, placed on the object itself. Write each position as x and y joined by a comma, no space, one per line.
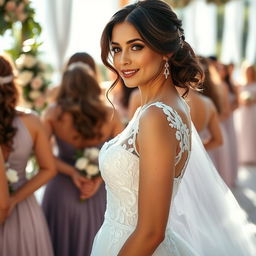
79,180
5,213
90,189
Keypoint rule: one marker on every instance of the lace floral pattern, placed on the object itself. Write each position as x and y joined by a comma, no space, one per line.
182,131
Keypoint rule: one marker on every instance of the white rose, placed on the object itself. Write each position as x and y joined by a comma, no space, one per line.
25,77
29,61
92,170
7,18
36,83
92,153
20,61
33,95
246,96
81,163
12,176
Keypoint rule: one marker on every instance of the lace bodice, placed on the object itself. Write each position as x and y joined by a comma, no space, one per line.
119,165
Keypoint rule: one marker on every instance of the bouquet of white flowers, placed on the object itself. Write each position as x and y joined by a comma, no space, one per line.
12,177
87,162
246,96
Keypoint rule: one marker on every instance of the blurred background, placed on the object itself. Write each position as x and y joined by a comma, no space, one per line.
224,28
40,35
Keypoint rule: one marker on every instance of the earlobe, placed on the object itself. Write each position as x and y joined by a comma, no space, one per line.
168,56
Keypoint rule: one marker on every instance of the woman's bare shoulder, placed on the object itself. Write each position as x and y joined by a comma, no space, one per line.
51,112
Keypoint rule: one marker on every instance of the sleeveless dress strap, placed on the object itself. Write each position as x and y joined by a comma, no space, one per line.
175,121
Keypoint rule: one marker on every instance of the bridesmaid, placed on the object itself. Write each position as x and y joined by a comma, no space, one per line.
23,230
221,156
228,123
78,120
82,57
245,117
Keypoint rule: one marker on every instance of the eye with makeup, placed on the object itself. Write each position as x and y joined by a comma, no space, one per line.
137,47
115,49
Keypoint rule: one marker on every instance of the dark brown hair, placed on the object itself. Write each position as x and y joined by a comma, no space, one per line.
162,31
208,86
85,58
79,95
8,101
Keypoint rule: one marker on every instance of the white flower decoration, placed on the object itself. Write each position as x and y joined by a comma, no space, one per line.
81,163
246,96
34,94
12,175
36,83
92,153
29,61
25,77
92,170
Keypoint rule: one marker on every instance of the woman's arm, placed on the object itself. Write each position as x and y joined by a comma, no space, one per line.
157,147
216,139
44,159
62,167
224,102
4,193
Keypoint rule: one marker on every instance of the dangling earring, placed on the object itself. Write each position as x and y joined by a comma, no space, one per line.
166,69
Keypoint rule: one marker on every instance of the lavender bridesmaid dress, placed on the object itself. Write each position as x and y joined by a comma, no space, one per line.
25,232
73,224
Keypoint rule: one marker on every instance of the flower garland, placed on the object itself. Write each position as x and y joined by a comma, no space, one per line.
32,77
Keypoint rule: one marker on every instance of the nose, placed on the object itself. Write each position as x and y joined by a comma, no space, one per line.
125,58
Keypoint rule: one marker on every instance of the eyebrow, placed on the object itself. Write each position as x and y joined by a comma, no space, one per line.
130,41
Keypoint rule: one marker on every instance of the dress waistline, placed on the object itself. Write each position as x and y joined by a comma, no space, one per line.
120,225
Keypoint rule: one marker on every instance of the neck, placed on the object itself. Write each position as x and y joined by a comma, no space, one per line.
157,91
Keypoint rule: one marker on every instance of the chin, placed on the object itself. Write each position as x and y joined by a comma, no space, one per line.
130,85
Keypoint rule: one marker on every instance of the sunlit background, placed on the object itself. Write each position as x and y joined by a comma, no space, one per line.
226,30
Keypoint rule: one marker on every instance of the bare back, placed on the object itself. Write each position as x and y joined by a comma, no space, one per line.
199,109
63,127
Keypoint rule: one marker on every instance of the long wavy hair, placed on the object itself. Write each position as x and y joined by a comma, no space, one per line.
8,101
162,31
80,95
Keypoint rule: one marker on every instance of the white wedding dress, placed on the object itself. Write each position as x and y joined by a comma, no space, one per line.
205,219
119,165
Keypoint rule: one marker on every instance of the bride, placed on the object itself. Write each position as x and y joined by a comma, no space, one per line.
164,196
